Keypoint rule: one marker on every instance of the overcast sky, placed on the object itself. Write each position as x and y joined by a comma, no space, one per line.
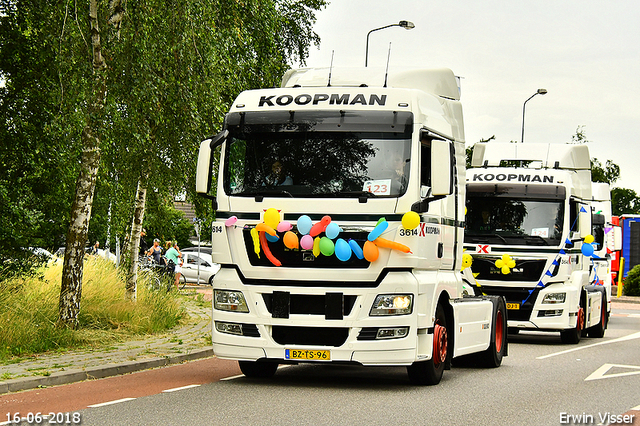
585,53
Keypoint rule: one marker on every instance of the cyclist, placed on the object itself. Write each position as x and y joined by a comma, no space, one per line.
156,252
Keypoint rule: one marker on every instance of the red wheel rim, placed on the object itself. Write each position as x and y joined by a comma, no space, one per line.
499,331
439,344
580,319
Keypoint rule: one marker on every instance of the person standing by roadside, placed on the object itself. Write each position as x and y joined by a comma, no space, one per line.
174,256
156,252
144,247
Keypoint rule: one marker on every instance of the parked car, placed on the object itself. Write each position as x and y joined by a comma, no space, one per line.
203,250
208,269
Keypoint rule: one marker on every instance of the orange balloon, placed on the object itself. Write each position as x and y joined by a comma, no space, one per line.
290,240
370,251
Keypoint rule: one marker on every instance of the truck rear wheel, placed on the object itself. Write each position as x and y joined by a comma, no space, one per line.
573,335
258,369
497,349
430,372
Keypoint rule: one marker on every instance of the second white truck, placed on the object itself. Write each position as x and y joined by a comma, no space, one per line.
529,231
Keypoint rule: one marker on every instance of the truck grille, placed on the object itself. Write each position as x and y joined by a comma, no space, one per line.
515,295
525,271
331,305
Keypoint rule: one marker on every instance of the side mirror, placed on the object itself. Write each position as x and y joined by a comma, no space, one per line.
204,170
585,221
441,167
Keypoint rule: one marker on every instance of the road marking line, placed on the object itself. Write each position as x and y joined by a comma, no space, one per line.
181,388
117,401
634,315
636,408
232,377
601,373
619,339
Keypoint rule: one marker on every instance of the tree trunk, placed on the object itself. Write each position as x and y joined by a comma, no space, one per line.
134,246
71,288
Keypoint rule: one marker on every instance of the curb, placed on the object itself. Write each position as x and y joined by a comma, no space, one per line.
109,370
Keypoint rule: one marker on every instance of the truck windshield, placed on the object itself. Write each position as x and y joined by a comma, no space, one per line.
494,217
335,154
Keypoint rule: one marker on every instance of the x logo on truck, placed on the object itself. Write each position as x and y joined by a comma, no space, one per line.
483,248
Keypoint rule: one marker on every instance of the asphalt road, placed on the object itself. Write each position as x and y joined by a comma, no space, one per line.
541,382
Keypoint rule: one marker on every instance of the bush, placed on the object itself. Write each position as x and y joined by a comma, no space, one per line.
631,285
30,311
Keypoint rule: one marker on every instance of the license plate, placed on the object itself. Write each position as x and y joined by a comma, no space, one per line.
307,354
513,306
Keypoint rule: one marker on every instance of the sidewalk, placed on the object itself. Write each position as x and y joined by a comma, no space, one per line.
187,343
191,341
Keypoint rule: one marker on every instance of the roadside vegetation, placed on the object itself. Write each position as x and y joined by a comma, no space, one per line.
631,285
29,311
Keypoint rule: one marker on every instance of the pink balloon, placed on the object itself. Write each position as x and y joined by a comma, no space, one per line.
306,242
284,226
231,221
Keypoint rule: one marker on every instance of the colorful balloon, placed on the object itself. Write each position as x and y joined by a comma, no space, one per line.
290,240
272,238
256,241
467,260
326,246
370,251
284,226
410,220
383,242
356,249
589,239
272,218
343,251
267,251
316,246
379,229
304,224
263,227
587,249
231,221
306,242
320,226
332,230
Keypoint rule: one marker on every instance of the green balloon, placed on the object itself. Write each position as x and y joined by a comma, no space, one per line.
326,246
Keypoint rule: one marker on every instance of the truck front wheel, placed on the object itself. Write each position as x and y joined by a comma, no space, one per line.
430,372
572,336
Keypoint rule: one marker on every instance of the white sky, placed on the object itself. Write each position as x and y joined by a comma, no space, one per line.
585,53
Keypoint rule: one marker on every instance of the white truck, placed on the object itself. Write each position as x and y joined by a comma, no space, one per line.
529,231
604,232
339,203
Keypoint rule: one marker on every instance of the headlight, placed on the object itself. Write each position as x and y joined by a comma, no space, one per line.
392,304
554,298
226,300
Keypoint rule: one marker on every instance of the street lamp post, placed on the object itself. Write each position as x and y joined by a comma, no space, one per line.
538,92
407,25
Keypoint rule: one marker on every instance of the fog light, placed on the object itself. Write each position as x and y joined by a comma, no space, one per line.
229,328
392,333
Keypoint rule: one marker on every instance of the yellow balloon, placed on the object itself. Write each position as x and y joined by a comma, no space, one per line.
256,241
316,247
506,270
411,220
272,218
589,239
467,260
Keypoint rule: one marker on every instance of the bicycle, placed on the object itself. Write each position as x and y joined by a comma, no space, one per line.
161,276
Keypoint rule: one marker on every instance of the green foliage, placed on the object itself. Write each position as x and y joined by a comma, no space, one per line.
173,68
609,173
631,286
30,310
164,222
624,201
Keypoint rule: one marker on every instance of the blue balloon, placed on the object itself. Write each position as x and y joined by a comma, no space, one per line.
378,230
587,249
304,224
271,238
343,251
356,249
332,230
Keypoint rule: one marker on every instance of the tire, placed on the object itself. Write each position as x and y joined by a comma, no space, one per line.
497,349
258,369
211,280
597,330
430,372
183,282
572,336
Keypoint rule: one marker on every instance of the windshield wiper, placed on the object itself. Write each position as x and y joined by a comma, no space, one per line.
358,194
262,192
530,238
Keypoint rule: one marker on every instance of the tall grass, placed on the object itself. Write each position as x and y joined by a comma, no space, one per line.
29,311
